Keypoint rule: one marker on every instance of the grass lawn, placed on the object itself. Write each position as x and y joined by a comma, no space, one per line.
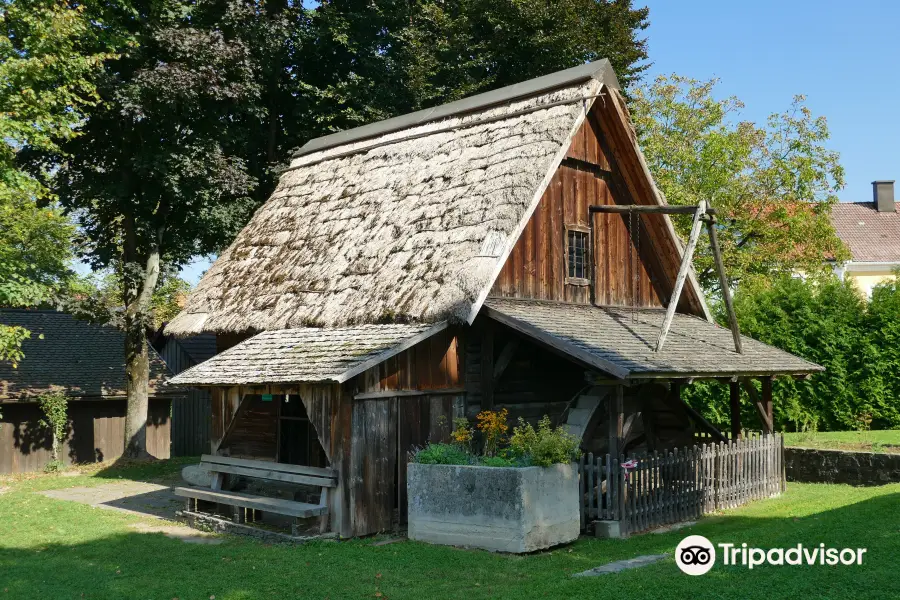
868,441
52,549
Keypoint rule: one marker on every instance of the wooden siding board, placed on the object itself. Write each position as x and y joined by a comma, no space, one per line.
536,267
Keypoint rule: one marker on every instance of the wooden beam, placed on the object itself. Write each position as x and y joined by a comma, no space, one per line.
724,284
682,275
697,417
617,422
487,366
648,209
767,403
506,356
734,393
757,402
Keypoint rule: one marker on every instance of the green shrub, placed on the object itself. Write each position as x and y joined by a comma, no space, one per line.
498,461
828,322
543,446
442,454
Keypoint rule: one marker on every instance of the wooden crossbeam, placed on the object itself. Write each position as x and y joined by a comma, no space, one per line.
682,275
652,210
723,283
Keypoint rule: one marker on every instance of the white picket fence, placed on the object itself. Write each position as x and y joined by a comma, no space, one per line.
681,484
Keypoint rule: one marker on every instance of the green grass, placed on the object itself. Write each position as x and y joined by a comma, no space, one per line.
868,441
53,549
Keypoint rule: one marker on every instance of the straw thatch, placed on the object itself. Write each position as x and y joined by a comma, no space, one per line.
409,230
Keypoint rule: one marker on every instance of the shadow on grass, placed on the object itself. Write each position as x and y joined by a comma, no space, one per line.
146,470
132,565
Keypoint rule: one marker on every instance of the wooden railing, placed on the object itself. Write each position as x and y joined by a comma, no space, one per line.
646,491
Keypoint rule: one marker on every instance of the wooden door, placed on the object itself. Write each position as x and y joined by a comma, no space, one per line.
373,465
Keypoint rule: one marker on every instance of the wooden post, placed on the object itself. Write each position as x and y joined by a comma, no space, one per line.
734,391
682,275
767,404
723,283
617,422
487,366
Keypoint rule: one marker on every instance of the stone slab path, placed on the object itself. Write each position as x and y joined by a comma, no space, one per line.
622,565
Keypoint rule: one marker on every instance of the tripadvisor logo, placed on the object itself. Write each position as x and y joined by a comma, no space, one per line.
696,555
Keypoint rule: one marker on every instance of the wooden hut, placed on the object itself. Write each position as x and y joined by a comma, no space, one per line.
508,250
87,363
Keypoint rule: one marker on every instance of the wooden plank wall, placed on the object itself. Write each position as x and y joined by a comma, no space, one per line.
536,381
536,268
96,432
432,364
191,417
254,432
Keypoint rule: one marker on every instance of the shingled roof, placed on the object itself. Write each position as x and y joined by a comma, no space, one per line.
871,236
79,358
306,355
410,219
622,341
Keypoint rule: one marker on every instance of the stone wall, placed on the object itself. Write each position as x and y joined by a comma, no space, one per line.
837,466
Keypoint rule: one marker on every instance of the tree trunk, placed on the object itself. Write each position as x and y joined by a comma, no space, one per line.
138,292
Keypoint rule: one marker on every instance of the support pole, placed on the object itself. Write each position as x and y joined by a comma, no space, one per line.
682,275
617,422
487,366
723,283
734,392
767,404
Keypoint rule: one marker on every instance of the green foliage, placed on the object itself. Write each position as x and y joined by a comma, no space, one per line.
773,184
442,454
545,445
45,86
55,405
830,323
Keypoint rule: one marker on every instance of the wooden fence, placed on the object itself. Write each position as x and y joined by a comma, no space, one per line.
656,489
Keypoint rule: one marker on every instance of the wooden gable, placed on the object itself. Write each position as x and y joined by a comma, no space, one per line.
633,259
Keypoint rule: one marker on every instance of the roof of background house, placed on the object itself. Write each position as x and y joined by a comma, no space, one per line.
622,341
306,355
870,235
409,218
80,358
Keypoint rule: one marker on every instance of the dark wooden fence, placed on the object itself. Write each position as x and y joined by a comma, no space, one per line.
191,415
668,487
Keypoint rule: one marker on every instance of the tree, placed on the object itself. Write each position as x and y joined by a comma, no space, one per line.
367,61
44,88
774,185
153,178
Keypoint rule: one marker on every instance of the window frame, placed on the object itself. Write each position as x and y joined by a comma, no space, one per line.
579,281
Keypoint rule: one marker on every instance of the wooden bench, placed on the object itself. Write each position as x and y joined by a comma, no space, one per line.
222,466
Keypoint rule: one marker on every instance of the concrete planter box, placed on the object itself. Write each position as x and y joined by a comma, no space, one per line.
500,509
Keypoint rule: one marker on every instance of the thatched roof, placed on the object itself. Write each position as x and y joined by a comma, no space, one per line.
306,355
622,341
408,224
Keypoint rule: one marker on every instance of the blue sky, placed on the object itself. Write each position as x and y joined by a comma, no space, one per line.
843,56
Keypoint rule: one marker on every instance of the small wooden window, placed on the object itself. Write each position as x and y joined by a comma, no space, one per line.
577,259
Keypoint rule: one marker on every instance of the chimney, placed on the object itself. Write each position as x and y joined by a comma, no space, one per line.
883,195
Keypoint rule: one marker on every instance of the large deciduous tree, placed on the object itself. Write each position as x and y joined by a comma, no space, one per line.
45,86
773,184
154,178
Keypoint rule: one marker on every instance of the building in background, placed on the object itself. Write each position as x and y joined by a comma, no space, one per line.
87,363
871,231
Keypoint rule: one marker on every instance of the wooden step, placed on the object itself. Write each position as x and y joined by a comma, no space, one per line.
263,503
